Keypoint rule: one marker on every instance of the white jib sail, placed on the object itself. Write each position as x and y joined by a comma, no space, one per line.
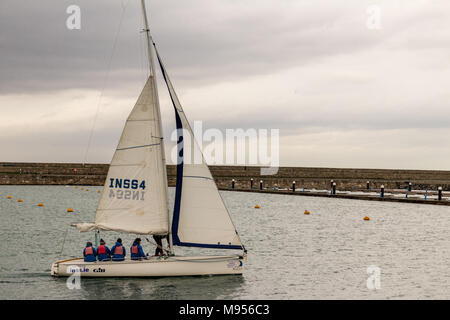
203,219
134,198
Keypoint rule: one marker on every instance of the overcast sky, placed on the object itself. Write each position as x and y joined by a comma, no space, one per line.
341,94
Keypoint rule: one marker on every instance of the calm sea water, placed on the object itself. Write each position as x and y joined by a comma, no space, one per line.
324,255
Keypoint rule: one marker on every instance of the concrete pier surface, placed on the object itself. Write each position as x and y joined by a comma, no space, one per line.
351,183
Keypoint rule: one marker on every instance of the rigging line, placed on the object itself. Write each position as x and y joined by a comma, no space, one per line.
146,62
141,58
64,241
199,177
137,147
157,245
105,79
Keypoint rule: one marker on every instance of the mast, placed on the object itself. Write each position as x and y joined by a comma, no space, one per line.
153,78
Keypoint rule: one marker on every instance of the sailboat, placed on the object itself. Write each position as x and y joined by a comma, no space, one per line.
135,197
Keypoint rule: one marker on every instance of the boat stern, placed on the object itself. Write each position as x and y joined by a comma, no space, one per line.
54,269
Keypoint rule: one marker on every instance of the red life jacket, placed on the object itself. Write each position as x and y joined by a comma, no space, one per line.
118,250
134,249
101,249
88,251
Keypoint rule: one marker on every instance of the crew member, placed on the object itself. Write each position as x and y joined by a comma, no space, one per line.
159,248
89,253
103,252
118,252
136,250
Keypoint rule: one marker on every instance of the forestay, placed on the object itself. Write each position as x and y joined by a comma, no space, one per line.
134,198
200,217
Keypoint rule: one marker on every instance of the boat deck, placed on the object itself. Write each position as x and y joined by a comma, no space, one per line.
79,261
152,267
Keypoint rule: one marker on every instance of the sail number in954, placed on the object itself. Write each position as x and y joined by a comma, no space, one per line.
136,186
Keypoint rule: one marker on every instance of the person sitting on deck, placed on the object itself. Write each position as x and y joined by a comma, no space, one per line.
159,248
103,252
136,250
118,252
89,253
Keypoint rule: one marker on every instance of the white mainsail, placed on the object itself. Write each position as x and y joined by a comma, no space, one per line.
134,197
200,217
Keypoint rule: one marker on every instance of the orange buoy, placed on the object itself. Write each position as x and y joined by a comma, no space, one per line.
70,210
9,197
366,218
87,189
307,212
40,204
19,200
98,191
257,207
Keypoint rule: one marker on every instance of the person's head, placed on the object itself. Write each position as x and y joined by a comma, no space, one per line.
102,241
137,240
88,244
119,240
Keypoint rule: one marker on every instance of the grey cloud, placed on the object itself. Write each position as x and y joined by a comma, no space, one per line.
327,72
202,41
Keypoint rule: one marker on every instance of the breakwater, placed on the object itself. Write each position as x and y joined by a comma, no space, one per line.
309,178
412,186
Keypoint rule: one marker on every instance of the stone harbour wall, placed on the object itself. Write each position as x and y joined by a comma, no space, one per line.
350,179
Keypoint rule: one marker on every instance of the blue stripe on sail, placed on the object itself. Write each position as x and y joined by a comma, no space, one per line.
212,246
179,183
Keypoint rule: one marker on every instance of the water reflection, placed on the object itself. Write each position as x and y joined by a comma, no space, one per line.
203,287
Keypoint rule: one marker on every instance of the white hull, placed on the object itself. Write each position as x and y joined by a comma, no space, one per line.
154,267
